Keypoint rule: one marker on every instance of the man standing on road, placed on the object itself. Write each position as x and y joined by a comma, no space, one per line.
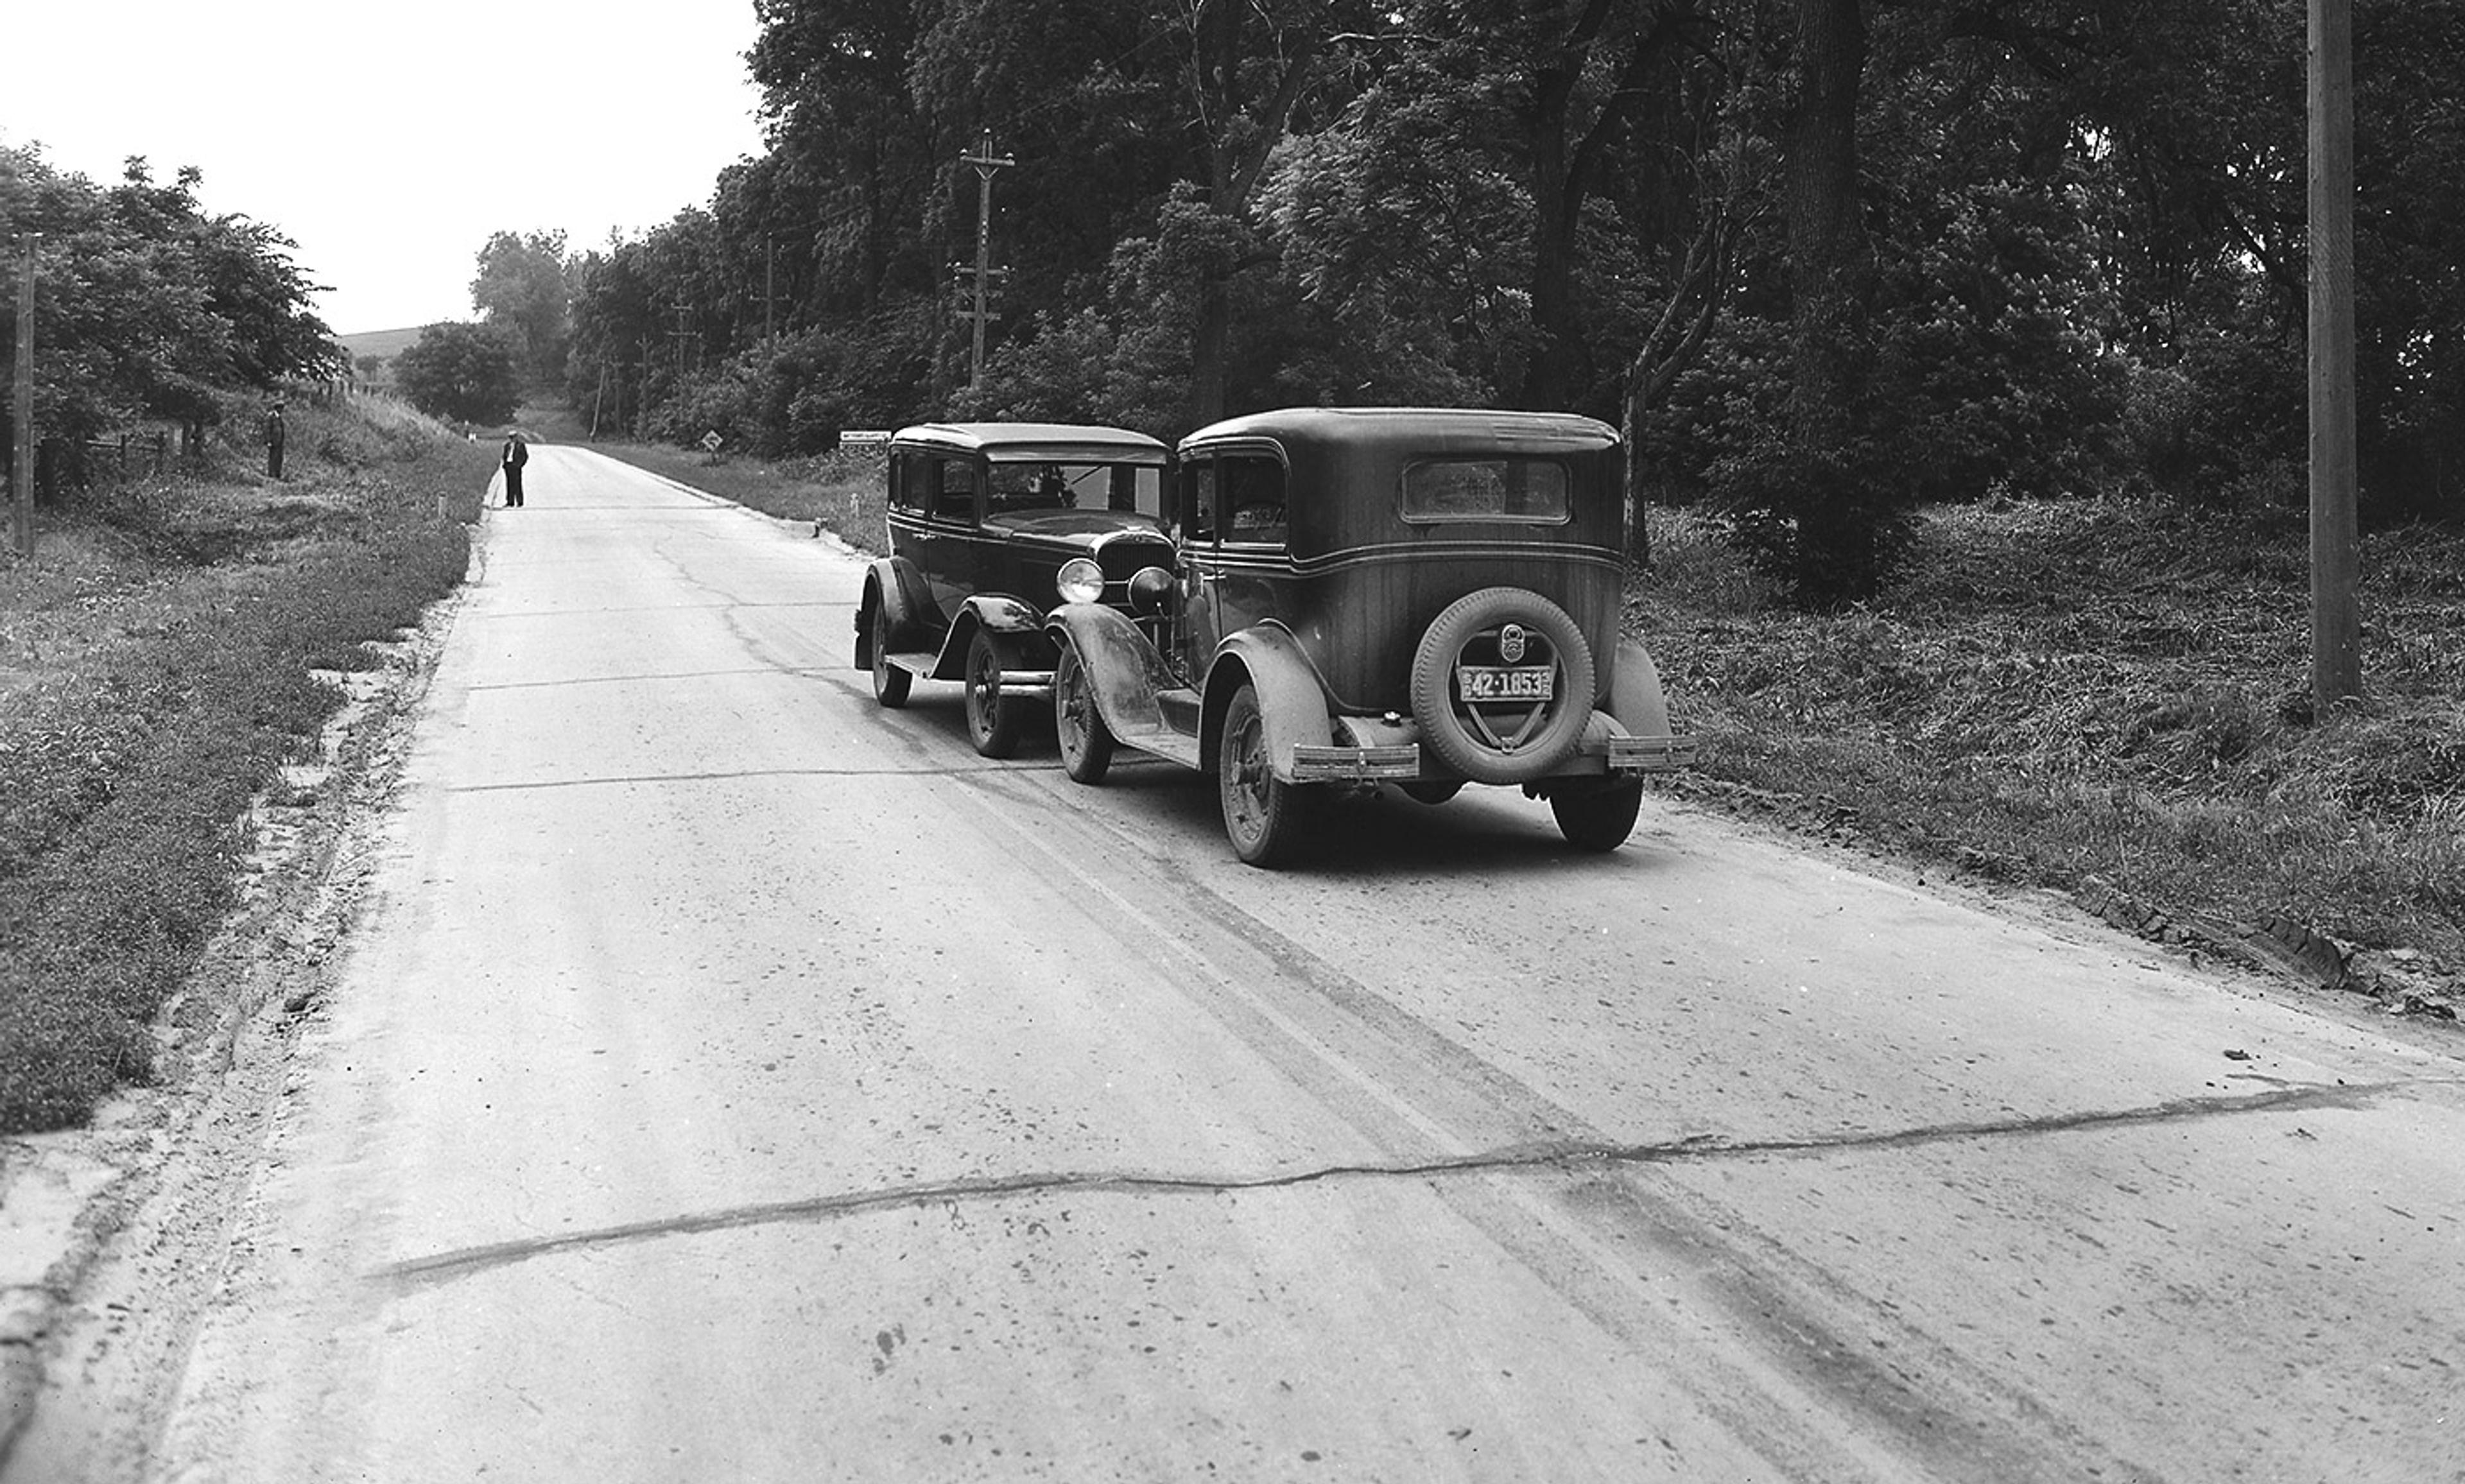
274,441
517,453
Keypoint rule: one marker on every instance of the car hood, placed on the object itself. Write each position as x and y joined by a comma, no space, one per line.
1084,527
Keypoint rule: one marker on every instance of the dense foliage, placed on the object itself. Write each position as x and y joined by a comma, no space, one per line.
146,307
521,292
1830,260
465,373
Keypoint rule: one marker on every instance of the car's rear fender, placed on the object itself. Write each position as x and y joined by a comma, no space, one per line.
1121,663
1636,696
999,614
1641,711
1292,699
895,585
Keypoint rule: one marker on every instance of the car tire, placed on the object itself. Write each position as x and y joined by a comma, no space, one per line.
1431,790
1086,746
890,683
1598,818
1460,732
994,721
1265,817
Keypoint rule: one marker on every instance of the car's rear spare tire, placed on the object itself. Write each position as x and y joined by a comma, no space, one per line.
1512,643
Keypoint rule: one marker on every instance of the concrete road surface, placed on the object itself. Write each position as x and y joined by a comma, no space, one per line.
731,1080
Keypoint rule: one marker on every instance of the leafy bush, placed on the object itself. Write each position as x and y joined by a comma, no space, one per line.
462,372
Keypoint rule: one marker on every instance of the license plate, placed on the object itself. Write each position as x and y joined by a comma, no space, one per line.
1522,683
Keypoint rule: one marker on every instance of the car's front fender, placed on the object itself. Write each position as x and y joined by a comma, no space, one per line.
994,612
1292,699
1123,666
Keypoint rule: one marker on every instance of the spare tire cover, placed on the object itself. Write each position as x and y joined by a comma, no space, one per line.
1502,642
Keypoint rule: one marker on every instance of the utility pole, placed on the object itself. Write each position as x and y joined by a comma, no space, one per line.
986,163
680,335
22,466
2336,556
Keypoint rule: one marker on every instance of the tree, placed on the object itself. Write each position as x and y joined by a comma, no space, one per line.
460,371
148,306
521,291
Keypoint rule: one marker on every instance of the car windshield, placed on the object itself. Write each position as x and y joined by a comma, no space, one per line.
1065,485
1531,489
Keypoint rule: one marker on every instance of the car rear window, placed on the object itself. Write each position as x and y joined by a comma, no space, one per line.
1529,490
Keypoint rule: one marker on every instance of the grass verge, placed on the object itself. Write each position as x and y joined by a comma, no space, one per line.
157,659
2117,695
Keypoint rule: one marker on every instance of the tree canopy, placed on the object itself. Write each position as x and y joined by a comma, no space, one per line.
520,290
147,306
460,371
1825,259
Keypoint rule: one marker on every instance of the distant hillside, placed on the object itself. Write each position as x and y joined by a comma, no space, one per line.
387,344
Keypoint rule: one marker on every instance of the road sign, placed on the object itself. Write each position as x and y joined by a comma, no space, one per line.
710,441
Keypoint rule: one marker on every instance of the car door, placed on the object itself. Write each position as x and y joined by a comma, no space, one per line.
953,555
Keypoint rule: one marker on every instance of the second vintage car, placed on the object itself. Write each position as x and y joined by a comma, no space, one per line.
983,517
1354,596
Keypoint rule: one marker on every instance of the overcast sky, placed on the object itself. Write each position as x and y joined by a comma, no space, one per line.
388,140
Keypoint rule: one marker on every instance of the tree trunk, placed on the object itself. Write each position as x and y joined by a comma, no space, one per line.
1831,277
1550,378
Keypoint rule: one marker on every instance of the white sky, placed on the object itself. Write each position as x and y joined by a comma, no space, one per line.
390,140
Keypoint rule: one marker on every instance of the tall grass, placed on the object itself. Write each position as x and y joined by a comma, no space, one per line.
155,662
2062,690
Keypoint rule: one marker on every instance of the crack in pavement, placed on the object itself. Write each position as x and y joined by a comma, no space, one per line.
420,1273
724,775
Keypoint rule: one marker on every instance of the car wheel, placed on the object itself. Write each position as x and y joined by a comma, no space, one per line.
889,682
1503,740
993,720
1598,818
1086,746
1431,790
1264,815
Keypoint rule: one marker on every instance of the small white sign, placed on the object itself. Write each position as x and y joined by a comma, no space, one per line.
864,435
711,440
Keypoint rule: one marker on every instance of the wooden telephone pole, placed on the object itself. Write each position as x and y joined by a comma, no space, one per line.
986,163
2336,560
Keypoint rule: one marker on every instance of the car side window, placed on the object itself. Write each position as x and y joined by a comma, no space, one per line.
910,477
1253,491
955,499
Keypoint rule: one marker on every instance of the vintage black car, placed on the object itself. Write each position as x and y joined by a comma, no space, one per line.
1421,597
983,517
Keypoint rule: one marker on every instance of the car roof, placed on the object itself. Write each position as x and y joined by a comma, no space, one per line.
1037,440
1431,428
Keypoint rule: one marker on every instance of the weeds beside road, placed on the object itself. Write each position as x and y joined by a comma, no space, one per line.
157,668
2105,697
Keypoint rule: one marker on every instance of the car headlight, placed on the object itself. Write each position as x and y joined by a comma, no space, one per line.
1149,587
1079,580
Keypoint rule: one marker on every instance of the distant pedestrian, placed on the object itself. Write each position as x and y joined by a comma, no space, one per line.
517,453
274,441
